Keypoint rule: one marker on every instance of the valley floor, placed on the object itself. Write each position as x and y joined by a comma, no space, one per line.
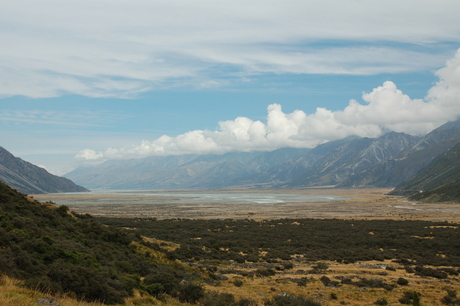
363,203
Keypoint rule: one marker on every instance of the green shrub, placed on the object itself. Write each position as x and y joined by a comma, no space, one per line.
410,297
302,282
437,273
402,281
382,301
218,299
450,298
321,266
265,272
166,279
190,292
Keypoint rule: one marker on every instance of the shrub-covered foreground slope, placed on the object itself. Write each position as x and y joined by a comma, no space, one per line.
55,251
222,262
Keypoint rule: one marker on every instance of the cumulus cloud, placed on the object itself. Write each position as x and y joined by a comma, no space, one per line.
384,109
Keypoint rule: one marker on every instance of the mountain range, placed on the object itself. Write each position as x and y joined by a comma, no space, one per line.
439,181
386,161
28,178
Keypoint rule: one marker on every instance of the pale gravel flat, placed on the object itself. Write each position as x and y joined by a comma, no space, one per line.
362,204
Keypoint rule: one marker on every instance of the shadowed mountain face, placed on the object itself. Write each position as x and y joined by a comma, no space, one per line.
351,158
438,181
378,162
28,178
393,171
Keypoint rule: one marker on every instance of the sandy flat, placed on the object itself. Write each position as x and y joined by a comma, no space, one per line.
358,204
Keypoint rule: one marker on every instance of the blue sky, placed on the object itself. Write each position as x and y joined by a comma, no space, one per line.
82,81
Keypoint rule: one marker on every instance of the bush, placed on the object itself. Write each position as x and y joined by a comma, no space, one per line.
402,281
218,299
325,280
382,301
238,282
328,282
321,266
165,280
190,293
450,298
287,265
302,282
265,272
422,271
410,297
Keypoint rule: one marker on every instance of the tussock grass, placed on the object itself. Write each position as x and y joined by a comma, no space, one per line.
261,289
12,293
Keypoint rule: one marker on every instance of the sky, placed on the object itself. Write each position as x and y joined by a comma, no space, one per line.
82,82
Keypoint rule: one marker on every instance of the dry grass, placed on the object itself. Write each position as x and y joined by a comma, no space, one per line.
13,294
263,288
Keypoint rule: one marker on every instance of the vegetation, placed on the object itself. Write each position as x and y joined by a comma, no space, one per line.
348,241
222,262
58,252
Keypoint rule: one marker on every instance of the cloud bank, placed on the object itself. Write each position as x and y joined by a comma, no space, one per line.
385,109
120,49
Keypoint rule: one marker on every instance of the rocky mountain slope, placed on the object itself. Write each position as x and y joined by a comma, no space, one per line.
350,158
364,162
393,171
438,181
178,172
28,178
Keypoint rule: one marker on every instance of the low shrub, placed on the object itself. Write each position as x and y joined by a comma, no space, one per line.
450,298
189,292
410,297
402,281
382,301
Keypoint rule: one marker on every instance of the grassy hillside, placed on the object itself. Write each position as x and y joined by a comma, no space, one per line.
58,252
46,250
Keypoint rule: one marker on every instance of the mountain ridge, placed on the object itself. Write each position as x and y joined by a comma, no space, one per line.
29,178
385,161
439,181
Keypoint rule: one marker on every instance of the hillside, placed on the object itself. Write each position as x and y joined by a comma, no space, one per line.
438,181
350,158
222,262
30,179
52,250
395,170
179,172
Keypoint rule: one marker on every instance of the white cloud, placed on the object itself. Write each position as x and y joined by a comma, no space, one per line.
119,49
386,108
88,154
